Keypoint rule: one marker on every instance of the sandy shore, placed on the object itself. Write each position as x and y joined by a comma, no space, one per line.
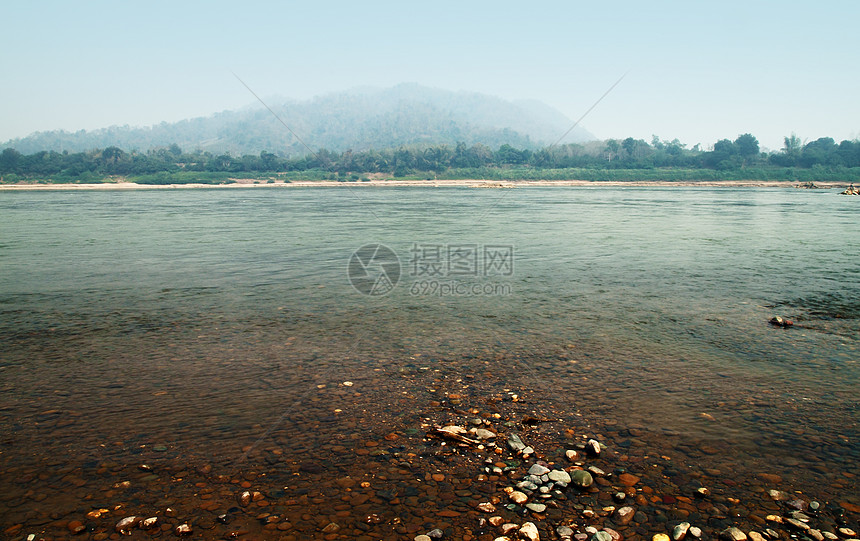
251,183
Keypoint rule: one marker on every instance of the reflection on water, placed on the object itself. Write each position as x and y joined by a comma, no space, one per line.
214,323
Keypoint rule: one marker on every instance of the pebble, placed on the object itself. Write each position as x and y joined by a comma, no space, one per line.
422,537
486,507
830,535
660,537
816,534
679,532
76,526
518,497
796,524
435,533
125,525
847,532
538,470
182,529
595,471
624,515
148,523
536,507
601,536
703,492
755,536
515,443
559,476
581,479
733,534
529,531
613,534
592,447
779,495
564,531
695,531
484,434
571,455
619,497
508,528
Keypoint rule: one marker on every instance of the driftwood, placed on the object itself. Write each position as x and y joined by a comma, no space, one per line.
453,433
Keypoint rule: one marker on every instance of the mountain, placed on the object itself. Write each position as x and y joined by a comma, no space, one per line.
363,118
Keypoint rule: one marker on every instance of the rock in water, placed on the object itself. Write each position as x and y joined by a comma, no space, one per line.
182,529
515,443
623,515
559,476
733,534
529,532
518,497
592,447
660,537
581,479
536,507
680,531
538,470
125,525
601,536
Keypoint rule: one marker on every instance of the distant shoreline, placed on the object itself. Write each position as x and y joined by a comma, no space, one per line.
476,183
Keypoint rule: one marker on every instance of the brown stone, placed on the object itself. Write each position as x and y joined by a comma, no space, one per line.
628,479
76,526
770,478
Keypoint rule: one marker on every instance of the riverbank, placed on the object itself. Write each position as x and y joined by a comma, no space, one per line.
473,183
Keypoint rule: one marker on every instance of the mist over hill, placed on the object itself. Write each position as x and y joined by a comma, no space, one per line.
359,119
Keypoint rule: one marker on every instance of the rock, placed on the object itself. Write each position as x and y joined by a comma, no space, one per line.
619,497
796,524
798,515
564,531
331,527
518,497
755,536
847,532
595,471
798,504
422,537
679,532
624,515
486,507
148,523
613,534
126,525
529,532
538,470
484,434
703,492
435,533
182,529
816,534
695,532
509,528
778,495
628,479
559,476
830,535
502,538
813,506
733,534
76,527
779,321
601,536
244,498
770,478
592,447
496,521
774,518
581,479
536,507
571,455
515,443
660,537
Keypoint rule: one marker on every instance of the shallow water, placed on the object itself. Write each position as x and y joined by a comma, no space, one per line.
219,326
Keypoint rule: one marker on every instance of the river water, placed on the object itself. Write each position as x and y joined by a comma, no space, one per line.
212,331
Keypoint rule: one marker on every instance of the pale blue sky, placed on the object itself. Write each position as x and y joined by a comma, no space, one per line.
699,71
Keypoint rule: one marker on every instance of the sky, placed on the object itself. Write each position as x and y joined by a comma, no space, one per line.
696,71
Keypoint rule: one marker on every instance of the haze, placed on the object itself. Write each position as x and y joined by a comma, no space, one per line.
699,72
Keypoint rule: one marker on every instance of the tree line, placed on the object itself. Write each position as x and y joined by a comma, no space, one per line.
435,160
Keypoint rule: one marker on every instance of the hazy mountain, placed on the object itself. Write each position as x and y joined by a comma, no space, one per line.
407,114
